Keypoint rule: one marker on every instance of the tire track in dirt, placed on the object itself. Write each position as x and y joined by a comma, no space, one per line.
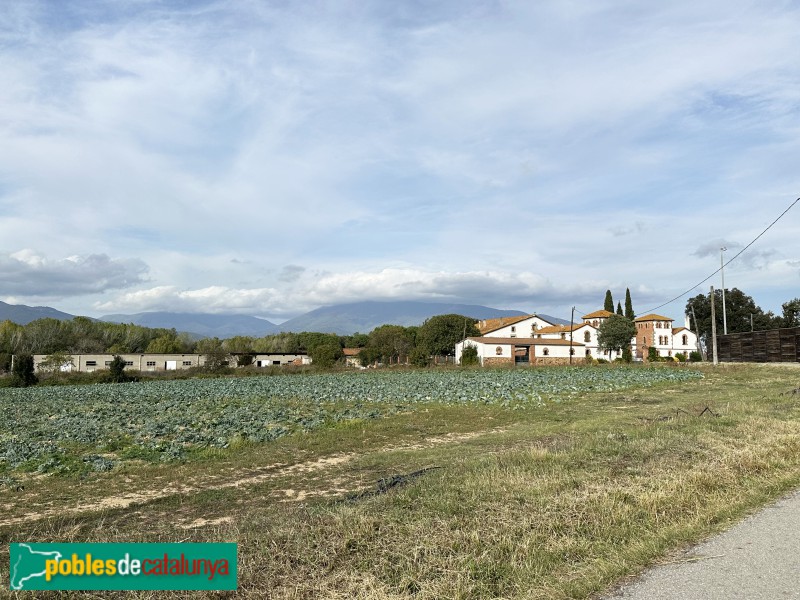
260,475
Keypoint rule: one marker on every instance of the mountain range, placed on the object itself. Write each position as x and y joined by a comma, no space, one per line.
200,324
363,317
342,319
22,315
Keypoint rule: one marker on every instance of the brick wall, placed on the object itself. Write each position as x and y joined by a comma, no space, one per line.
556,360
495,361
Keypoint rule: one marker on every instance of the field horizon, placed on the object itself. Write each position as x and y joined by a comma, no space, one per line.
558,498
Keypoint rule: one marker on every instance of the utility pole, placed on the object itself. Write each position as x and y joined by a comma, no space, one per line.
714,328
722,271
697,334
571,321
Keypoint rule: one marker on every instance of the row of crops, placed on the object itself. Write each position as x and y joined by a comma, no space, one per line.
74,428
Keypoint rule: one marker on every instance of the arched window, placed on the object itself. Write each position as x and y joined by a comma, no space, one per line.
546,352
563,335
588,352
685,340
587,337
594,323
498,351
571,351
533,326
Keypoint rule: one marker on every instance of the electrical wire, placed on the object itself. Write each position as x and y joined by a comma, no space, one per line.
695,286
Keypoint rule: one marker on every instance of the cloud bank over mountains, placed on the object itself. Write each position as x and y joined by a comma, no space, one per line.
270,157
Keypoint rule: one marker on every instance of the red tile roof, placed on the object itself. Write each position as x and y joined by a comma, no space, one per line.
523,341
653,317
598,314
488,325
561,328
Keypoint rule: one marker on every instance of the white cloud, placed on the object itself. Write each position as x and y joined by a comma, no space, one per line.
490,152
714,248
28,275
526,291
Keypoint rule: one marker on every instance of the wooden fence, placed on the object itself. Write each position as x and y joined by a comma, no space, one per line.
774,345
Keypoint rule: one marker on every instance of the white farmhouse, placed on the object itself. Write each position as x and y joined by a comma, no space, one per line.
521,351
531,340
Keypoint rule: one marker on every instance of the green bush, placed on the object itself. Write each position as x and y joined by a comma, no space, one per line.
369,356
652,354
695,356
419,358
680,357
22,374
627,356
245,360
325,355
469,356
116,370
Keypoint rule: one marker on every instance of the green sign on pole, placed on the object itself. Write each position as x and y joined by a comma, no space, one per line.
119,566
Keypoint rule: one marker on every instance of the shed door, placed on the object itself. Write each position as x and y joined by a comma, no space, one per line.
522,355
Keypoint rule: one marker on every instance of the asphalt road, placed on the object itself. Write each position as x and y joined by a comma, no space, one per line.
758,559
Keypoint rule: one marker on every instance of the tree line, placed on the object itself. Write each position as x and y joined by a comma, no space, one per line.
741,312
82,335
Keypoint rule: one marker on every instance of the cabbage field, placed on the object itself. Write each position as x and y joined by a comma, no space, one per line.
93,427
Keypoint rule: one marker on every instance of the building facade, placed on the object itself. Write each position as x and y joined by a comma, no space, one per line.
656,331
532,340
88,363
499,351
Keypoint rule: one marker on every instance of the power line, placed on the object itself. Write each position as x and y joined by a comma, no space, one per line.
734,257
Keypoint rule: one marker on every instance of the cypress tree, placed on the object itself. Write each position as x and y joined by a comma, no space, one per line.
609,303
23,371
619,309
629,305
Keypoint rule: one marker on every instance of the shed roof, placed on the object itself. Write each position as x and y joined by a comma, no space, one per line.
598,314
562,328
523,341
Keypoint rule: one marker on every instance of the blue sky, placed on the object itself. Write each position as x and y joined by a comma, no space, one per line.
269,158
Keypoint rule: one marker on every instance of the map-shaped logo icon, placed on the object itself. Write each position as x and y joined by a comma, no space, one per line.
27,564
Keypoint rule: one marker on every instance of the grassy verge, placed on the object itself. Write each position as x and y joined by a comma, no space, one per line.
557,501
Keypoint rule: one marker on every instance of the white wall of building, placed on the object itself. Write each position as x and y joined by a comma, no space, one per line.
525,328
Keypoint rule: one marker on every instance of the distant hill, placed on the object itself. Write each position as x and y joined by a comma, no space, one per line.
342,319
346,319
22,315
200,324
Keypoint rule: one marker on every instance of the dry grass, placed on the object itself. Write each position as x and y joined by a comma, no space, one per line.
553,502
